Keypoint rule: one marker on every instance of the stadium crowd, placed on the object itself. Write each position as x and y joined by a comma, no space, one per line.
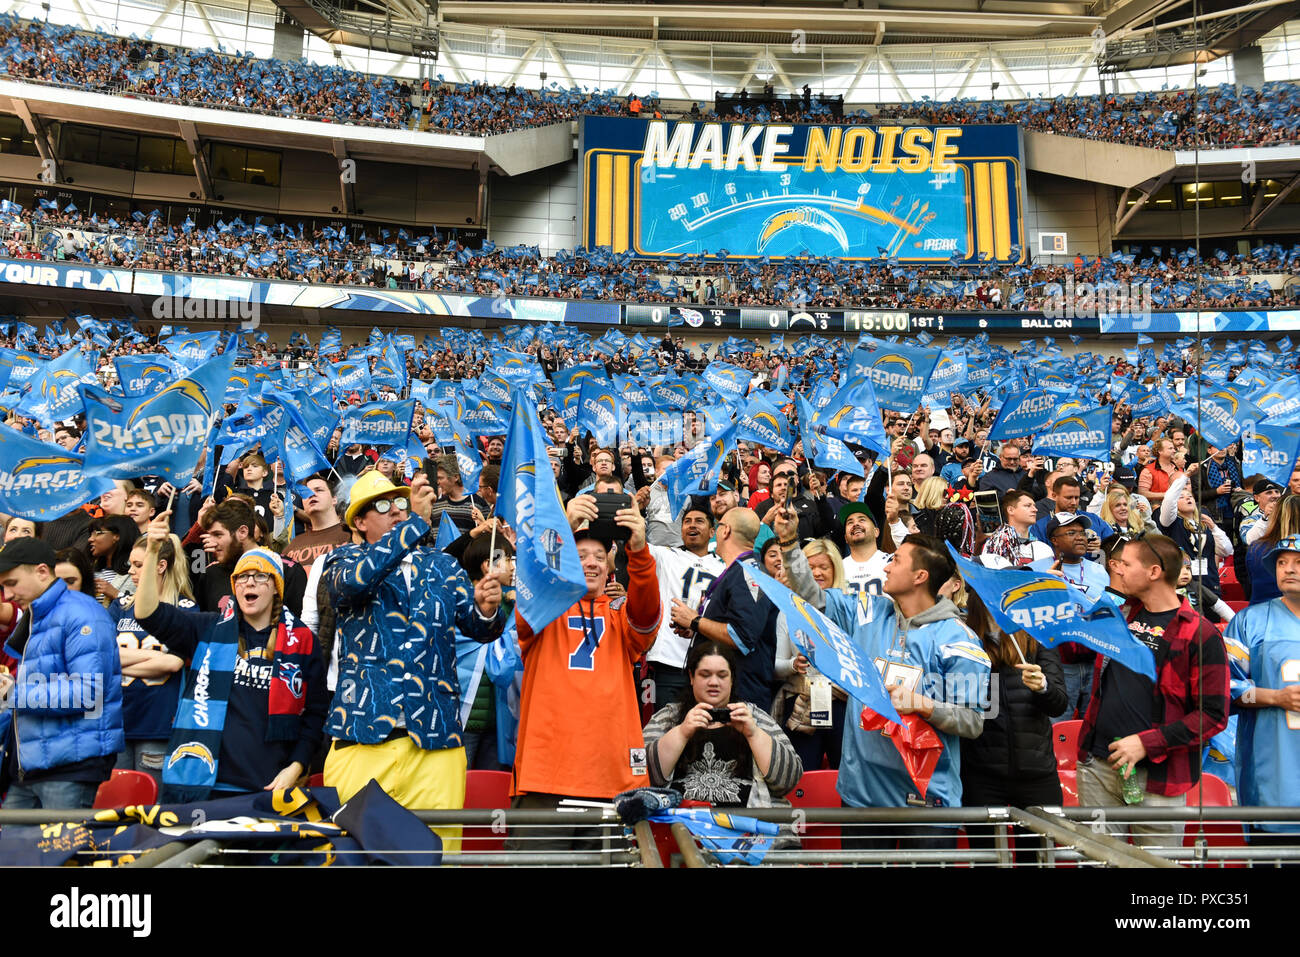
307,608
50,53
1165,276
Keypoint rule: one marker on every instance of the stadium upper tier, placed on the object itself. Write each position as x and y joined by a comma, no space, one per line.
51,53
1166,276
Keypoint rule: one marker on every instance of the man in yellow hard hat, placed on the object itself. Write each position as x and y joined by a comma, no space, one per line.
395,714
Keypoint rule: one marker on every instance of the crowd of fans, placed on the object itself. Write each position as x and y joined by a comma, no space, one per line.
1166,277
737,711
1178,119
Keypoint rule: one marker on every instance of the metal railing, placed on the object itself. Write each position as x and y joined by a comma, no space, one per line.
998,837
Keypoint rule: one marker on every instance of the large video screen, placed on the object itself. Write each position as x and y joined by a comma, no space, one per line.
664,188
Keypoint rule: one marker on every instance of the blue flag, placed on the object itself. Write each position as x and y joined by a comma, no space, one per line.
391,368
409,456
698,471
193,350
899,374
378,423
549,577
41,482
1024,413
829,648
1280,402
1218,414
1083,435
291,441
1054,611
600,412
140,375
1270,451
824,451
655,428
731,382
163,434
349,376
762,422
468,461
728,837
53,394
852,415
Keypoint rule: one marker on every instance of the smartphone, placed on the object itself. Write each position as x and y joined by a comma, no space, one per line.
608,505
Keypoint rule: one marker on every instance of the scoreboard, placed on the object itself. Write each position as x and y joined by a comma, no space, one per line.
876,322
917,194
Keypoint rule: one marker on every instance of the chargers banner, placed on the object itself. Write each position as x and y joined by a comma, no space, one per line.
915,193
1053,611
161,434
41,482
1080,435
1270,451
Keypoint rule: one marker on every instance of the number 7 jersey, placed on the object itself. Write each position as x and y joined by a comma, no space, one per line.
1263,643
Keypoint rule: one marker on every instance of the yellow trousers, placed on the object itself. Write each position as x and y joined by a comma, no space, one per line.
414,778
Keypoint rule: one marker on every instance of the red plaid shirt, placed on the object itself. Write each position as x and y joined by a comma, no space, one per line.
1195,673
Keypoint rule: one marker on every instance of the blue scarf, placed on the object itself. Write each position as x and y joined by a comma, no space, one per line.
190,771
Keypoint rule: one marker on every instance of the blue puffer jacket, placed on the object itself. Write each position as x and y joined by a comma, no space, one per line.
68,696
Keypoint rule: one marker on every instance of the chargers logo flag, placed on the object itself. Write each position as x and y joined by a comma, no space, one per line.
292,441
634,395
548,576
764,423
193,349
41,482
161,434
852,415
600,412
899,375
1218,413
831,650
1080,435
698,471
482,416
824,451
728,837
1053,611
391,368
731,382
1270,451
949,373
1280,402
52,395
378,423
1024,413
141,375
572,377
671,395
352,375
655,428
517,368
410,458
467,457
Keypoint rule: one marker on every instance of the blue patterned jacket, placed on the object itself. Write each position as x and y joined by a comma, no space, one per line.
397,644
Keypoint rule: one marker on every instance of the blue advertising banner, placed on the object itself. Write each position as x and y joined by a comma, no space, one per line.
918,193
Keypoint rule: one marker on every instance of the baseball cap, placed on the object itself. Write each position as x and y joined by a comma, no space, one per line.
1063,519
854,508
26,551
1289,544
725,486
1266,485
594,535
961,441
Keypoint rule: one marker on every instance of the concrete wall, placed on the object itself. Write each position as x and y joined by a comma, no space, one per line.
1101,162
1081,210
541,208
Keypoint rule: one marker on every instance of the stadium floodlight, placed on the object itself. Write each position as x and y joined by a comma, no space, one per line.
765,69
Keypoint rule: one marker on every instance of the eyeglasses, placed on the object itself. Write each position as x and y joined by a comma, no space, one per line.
256,578
383,505
1126,539
101,531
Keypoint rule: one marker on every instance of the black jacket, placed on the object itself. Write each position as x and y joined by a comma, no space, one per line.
1016,743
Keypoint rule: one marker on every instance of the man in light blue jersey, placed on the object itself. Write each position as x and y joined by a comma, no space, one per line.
1263,644
933,664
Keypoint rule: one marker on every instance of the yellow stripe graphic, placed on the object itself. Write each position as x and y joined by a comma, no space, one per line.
604,198
1001,211
622,197
983,210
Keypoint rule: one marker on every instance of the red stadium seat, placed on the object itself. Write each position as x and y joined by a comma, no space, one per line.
817,789
1065,742
125,788
485,790
1236,605
1216,793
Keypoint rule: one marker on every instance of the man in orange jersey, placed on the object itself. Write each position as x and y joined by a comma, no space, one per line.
579,717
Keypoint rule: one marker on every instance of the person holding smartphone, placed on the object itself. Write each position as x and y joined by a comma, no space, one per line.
710,748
